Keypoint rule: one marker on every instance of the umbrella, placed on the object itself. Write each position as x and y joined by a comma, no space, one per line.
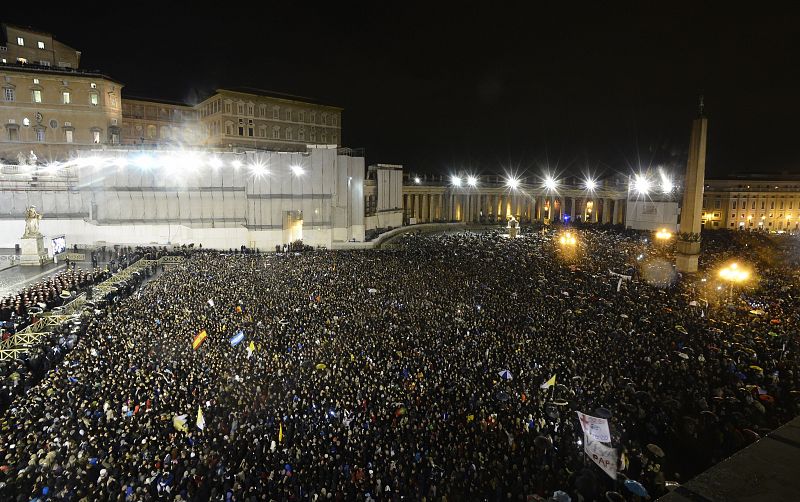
757,368
559,496
603,413
505,375
560,402
321,366
656,450
635,487
683,355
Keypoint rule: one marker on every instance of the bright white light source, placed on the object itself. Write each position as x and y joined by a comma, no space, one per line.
215,162
297,170
144,161
590,184
666,182
455,180
550,183
236,164
641,185
417,180
259,169
512,183
472,181
121,162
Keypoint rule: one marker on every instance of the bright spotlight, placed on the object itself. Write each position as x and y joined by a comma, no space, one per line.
567,239
512,183
52,167
472,181
297,170
590,184
215,162
666,183
550,183
417,180
641,185
236,164
259,169
144,161
121,162
455,180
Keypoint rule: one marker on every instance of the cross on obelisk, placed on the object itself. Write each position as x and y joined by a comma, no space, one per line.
688,245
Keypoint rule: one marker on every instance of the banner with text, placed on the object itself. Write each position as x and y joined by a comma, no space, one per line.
595,427
602,455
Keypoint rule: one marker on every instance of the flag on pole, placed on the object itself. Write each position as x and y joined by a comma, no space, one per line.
210,302
201,422
548,383
199,339
250,349
280,432
237,338
179,422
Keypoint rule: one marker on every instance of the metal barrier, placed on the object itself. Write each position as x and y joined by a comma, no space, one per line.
21,342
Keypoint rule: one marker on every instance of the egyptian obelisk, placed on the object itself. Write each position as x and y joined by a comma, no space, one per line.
688,245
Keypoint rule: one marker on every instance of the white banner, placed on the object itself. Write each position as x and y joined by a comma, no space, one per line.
602,455
596,428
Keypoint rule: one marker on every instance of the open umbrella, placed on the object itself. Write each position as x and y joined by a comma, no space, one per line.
505,375
635,487
603,413
656,450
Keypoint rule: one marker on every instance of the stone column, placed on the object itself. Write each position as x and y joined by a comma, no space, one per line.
572,214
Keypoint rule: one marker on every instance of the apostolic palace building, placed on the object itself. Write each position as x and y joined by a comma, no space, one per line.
250,167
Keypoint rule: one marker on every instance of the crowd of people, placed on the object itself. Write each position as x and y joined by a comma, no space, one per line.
414,373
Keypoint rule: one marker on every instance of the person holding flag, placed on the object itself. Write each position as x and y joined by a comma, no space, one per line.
201,421
548,383
199,339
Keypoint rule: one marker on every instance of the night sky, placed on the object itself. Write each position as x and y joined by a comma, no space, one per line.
481,89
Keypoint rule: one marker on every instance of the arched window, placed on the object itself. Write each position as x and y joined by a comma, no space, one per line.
276,132
287,133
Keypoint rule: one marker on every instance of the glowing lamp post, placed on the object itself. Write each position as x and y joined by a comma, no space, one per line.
663,234
567,239
733,274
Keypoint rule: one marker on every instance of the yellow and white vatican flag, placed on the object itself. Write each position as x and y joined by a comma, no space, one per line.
201,421
548,383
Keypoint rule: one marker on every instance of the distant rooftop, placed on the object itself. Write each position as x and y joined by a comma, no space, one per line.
274,94
156,100
55,70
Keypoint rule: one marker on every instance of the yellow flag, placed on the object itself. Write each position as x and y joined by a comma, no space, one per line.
549,383
251,347
352,357
280,433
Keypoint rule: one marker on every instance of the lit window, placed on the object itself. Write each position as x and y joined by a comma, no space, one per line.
3,61
22,61
65,97
26,121
93,99
36,81
40,45
37,96
20,41
96,136
93,85
68,136
8,94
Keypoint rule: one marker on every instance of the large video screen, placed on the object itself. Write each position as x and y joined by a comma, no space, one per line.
59,245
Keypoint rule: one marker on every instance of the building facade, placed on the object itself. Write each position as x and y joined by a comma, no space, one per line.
28,46
250,118
752,203
151,123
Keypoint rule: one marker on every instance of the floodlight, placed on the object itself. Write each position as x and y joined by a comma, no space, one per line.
455,180
472,181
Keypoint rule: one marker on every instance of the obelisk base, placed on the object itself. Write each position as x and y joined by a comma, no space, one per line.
33,251
686,256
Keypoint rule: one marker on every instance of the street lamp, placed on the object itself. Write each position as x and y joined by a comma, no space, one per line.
734,274
663,234
567,239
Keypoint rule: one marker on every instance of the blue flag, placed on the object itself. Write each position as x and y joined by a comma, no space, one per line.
237,338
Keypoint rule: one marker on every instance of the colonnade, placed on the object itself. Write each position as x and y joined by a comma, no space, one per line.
430,204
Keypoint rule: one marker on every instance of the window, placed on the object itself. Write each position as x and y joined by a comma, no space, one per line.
151,131
250,131
65,97
227,107
26,121
324,137
68,136
113,100
287,134
754,205
40,45
13,134
93,85
335,120
717,204
229,129
8,94
93,98
276,133
239,109
241,130
781,204
4,61
22,61
36,81
96,136
301,134
733,205
20,41
275,112
288,115
40,135
301,116
37,96
251,109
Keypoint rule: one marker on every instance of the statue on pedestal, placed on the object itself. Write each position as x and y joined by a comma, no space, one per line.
32,223
513,227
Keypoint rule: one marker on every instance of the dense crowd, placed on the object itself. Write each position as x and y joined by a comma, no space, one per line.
375,375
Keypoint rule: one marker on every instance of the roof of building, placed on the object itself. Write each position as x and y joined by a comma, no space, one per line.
55,70
26,28
156,100
273,94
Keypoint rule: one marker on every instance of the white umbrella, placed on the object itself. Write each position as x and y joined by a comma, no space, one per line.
505,375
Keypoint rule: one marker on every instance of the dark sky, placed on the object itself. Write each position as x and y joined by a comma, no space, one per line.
493,87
